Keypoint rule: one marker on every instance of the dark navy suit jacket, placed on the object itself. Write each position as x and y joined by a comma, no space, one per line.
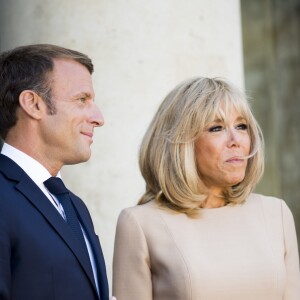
39,257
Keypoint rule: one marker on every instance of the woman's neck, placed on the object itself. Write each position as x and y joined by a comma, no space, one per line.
215,199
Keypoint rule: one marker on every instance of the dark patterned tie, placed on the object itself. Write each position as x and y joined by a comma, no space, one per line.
56,187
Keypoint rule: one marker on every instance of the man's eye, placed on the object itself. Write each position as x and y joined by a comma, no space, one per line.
82,99
215,128
242,126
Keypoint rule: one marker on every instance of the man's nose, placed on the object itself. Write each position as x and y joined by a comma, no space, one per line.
96,118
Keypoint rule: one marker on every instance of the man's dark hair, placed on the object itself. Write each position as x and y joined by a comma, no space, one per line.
28,68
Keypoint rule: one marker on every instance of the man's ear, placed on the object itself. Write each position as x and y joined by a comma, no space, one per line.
32,104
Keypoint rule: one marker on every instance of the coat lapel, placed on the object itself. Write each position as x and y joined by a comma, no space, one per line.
33,194
87,224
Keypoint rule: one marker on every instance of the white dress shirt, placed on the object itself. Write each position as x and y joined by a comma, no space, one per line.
38,173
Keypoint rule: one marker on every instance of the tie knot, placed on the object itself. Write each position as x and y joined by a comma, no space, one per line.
55,186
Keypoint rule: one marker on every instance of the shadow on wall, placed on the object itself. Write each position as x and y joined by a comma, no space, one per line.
271,30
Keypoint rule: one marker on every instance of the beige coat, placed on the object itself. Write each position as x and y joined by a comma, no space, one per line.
241,252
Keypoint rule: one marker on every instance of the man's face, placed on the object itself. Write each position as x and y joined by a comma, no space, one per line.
68,134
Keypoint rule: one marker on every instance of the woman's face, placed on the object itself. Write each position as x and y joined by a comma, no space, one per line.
220,151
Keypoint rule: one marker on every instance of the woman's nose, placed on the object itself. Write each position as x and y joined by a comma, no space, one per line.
233,138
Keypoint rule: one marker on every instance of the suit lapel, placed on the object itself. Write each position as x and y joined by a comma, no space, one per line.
87,224
33,194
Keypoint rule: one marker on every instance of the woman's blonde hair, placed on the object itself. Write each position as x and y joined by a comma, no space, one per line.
167,154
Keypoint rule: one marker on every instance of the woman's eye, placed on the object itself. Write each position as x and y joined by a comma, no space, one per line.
82,100
242,126
215,128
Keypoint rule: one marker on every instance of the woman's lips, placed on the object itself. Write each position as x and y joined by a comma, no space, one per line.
235,160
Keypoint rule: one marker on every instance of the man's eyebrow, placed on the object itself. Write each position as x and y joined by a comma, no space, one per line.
83,95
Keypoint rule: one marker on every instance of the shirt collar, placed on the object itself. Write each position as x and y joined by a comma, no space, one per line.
36,171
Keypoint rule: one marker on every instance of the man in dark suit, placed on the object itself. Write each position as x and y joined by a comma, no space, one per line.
48,247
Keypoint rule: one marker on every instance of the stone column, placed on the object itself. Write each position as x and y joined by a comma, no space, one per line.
271,31
141,49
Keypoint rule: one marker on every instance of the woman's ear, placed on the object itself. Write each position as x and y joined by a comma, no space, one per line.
32,104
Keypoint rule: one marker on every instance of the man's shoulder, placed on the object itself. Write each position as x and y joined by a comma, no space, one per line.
10,169
7,175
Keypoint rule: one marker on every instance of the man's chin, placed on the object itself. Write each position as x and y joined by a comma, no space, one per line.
79,159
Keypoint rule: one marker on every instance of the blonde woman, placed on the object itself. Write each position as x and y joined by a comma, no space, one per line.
199,232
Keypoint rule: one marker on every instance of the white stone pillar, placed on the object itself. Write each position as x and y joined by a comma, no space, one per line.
141,49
